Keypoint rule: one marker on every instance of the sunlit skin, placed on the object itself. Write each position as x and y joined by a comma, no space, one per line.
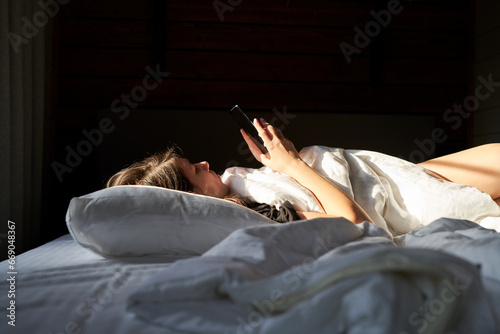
284,158
476,167
204,181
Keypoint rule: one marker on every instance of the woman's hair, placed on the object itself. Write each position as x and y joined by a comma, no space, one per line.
161,170
164,170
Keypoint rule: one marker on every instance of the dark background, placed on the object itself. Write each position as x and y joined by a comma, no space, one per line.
264,56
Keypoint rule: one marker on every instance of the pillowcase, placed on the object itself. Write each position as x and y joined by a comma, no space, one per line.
265,185
146,220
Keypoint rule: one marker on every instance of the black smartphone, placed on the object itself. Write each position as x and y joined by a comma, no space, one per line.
244,123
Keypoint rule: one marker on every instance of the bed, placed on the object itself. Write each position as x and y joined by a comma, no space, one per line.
150,260
62,288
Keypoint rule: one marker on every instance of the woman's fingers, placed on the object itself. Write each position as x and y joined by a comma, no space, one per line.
281,152
263,133
276,133
261,129
267,131
254,148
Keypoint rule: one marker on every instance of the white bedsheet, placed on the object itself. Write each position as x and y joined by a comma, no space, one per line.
399,196
64,288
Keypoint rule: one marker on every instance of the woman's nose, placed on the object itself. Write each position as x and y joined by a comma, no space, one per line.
205,165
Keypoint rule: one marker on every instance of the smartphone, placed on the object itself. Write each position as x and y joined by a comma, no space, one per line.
244,123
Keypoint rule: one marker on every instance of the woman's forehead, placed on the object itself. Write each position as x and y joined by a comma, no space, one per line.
185,162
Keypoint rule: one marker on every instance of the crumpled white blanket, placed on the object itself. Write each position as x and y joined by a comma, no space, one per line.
399,196
328,275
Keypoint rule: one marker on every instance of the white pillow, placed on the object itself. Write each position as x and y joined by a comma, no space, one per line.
146,220
265,185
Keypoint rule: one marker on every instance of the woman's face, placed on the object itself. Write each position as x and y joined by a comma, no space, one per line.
204,181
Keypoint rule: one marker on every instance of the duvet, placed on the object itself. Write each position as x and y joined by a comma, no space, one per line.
329,276
399,196
410,271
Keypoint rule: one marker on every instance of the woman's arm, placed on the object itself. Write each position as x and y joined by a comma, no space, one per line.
283,157
311,215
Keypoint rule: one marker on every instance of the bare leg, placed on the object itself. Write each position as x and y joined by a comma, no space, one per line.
478,167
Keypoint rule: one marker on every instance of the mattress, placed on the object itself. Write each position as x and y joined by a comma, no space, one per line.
61,287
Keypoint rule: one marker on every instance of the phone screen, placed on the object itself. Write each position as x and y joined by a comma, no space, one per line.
244,123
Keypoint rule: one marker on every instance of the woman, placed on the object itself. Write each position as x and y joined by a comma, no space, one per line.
170,171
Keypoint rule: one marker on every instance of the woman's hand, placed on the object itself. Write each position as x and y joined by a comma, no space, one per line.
281,155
